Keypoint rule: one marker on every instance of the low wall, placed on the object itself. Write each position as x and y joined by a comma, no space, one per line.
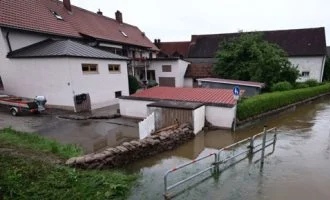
134,150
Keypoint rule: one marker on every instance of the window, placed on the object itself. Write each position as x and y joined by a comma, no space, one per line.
1,84
118,94
305,74
114,68
59,17
166,68
123,33
89,68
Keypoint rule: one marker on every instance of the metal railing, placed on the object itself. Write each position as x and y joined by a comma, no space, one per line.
252,148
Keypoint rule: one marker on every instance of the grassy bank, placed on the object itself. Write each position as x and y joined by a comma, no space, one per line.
31,168
270,101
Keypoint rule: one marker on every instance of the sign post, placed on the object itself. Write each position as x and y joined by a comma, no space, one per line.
236,92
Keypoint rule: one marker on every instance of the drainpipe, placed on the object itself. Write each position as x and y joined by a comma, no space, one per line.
8,42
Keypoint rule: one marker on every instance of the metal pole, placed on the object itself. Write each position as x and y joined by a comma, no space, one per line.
263,148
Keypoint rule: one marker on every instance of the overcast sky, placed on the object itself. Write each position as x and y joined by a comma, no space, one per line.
177,20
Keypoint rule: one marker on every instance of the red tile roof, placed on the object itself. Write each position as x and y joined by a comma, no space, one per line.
174,48
199,70
36,16
233,82
208,96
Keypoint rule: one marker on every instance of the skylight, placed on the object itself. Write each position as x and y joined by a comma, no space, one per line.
124,34
59,17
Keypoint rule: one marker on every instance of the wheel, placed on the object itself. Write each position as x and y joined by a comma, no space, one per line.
14,112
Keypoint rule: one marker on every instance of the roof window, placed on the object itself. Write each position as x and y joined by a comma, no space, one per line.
59,17
124,34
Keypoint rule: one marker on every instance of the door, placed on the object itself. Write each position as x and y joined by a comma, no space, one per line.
167,81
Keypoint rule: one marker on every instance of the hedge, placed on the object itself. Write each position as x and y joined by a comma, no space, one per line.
270,101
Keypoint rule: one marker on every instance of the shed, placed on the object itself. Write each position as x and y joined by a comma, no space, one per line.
170,112
250,88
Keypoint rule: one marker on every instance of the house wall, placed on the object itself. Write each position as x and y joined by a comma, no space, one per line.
199,119
133,108
188,82
59,79
220,116
314,65
22,39
178,70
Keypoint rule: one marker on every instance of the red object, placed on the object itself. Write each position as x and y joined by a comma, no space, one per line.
201,95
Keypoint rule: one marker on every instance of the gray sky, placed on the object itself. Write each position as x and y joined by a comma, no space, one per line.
175,20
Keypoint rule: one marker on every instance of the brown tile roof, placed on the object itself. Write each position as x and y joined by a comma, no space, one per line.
175,48
36,16
208,96
296,42
199,70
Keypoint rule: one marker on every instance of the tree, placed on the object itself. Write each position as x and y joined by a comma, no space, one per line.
250,58
133,84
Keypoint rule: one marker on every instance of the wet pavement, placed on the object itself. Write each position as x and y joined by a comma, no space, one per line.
91,135
298,169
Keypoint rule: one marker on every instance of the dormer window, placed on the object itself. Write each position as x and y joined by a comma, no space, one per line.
59,17
124,34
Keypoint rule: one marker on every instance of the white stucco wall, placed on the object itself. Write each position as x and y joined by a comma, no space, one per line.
22,39
59,79
199,119
134,108
188,82
178,70
220,116
314,65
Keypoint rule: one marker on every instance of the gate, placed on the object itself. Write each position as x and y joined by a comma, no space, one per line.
252,144
82,102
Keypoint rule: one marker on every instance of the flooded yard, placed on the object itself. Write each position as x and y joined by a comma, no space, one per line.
298,169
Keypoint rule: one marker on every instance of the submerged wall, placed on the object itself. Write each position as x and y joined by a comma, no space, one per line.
134,150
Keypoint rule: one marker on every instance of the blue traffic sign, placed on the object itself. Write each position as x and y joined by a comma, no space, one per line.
236,90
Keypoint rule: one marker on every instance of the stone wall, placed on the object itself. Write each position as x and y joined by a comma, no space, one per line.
131,151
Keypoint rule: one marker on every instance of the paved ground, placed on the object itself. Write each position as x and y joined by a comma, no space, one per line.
92,135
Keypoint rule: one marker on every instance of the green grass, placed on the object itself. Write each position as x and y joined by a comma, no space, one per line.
270,101
30,169
36,142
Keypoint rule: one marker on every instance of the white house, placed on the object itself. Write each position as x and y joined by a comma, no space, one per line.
220,105
51,48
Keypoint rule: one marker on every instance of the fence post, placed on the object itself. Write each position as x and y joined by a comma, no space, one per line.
263,147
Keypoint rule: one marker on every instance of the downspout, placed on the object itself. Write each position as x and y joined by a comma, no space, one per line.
322,70
8,42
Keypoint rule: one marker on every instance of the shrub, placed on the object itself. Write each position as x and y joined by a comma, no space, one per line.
301,85
133,84
312,83
281,86
270,101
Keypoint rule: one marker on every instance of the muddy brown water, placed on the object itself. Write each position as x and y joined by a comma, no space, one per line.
298,169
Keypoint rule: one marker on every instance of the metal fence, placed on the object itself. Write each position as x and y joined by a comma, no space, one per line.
250,146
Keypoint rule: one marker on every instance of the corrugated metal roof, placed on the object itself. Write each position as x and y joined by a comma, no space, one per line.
62,48
233,82
208,96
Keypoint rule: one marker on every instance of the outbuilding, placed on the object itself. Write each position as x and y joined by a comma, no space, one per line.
250,88
220,105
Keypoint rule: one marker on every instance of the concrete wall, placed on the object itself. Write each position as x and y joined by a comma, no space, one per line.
249,91
22,39
178,70
220,116
133,108
188,82
59,79
314,65
199,119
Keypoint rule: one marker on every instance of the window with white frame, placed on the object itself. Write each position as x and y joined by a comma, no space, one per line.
114,68
305,74
89,68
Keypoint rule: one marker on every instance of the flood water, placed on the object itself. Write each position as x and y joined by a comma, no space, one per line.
298,169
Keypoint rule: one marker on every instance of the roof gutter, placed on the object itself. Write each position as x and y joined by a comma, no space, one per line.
8,42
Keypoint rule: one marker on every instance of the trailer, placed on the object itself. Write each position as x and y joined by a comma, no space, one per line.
19,105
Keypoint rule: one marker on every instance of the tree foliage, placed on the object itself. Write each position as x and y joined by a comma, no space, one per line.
250,58
133,84
326,74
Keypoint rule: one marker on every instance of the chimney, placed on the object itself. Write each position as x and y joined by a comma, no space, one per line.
67,5
99,12
119,16
157,42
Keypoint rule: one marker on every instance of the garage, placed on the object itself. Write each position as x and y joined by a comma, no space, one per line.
167,81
